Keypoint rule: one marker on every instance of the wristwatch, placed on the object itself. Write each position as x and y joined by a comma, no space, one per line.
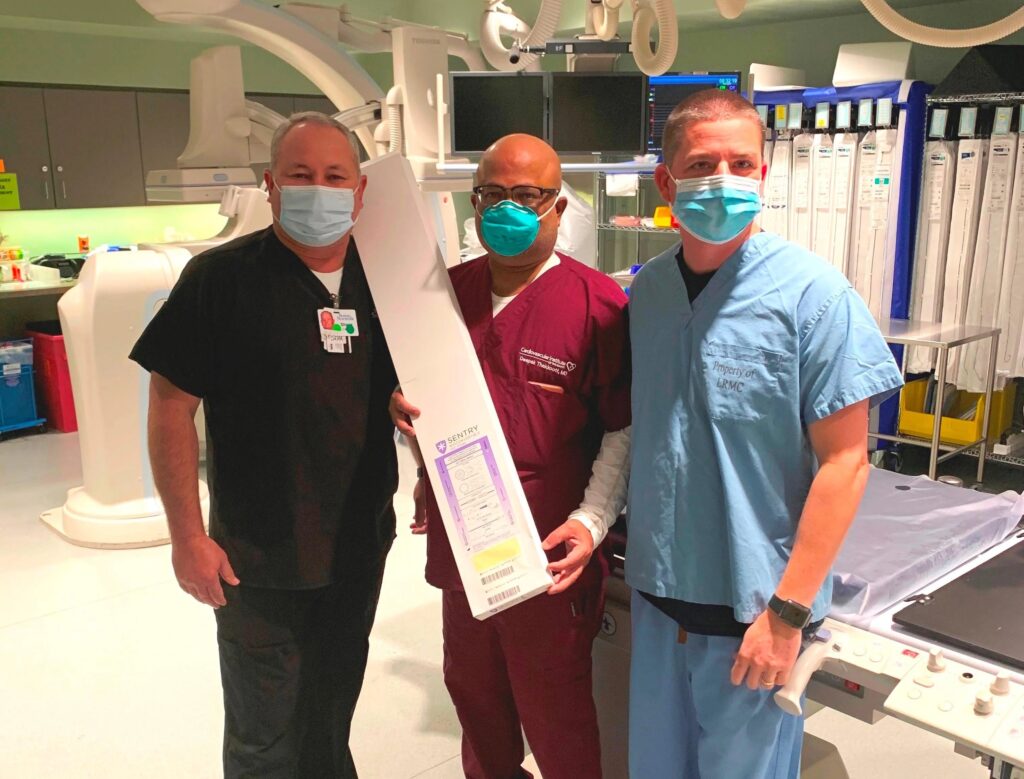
792,613
420,472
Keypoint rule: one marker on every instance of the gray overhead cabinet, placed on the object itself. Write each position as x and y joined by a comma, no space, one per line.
163,128
283,104
94,146
23,145
90,148
314,103
71,148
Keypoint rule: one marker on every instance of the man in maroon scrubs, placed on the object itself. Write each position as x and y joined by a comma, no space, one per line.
553,342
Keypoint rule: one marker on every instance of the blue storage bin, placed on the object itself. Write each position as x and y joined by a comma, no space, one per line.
17,386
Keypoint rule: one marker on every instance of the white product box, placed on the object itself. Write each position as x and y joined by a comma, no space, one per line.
486,516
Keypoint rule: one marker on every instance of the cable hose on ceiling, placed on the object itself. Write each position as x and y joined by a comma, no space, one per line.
605,18
934,36
498,19
654,63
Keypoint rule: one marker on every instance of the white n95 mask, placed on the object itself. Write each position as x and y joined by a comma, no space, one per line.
314,215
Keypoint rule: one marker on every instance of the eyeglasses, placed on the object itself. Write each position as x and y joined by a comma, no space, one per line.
532,197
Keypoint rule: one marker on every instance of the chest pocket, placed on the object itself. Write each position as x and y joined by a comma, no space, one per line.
542,421
740,382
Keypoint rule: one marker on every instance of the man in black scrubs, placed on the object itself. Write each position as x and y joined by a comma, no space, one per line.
276,333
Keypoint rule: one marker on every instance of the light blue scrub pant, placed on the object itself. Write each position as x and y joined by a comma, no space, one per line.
687,720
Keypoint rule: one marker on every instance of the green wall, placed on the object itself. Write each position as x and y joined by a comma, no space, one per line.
39,232
81,42
808,43
88,51
37,56
813,44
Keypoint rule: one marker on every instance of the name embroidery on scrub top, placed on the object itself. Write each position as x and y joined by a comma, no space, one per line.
546,362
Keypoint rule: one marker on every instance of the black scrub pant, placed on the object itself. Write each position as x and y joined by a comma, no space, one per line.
292,665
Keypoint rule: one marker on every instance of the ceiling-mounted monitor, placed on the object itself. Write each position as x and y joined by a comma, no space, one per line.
598,113
486,106
667,91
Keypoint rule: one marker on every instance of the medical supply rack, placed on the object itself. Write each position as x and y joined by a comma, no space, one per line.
932,335
994,97
641,204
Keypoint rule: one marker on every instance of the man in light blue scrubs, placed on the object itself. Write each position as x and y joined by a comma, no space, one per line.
754,367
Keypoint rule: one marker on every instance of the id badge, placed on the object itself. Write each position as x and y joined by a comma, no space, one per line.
338,326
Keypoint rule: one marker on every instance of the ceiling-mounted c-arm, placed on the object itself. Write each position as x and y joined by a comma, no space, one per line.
316,56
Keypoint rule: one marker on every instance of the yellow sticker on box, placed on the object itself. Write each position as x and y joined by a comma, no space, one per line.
496,555
9,198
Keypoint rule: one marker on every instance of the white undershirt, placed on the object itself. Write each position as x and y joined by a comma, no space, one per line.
605,496
498,303
331,280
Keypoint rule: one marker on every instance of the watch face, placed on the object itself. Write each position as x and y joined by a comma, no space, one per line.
792,613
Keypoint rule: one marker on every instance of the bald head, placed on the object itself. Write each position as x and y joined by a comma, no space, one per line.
526,158
521,161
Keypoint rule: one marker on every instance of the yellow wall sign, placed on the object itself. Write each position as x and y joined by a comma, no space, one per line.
9,200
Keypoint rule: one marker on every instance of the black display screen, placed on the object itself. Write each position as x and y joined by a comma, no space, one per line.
486,106
598,112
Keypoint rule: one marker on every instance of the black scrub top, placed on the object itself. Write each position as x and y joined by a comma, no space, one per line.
300,450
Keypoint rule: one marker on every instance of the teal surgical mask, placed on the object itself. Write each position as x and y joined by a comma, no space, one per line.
314,215
509,228
716,209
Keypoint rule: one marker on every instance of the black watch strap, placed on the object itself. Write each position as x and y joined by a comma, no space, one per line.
420,472
789,611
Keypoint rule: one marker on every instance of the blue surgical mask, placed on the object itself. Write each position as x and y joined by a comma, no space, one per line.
314,215
509,228
715,209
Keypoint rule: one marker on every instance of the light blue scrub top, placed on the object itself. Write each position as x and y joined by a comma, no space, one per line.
722,395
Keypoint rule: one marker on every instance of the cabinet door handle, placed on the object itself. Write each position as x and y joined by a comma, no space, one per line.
64,189
46,183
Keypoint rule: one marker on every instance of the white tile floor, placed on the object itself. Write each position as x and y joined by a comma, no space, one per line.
108,670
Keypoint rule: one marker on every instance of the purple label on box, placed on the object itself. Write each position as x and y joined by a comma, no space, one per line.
476,494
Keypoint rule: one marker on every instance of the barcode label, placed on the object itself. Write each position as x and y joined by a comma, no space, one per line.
493,577
503,596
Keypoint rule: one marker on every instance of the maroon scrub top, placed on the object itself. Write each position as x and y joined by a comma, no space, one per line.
569,330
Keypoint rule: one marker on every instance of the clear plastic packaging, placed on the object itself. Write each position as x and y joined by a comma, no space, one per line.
16,352
910,531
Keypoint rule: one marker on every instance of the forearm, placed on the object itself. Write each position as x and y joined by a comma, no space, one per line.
605,496
828,513
174,455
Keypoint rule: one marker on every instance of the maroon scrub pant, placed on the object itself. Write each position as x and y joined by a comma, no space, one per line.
528,667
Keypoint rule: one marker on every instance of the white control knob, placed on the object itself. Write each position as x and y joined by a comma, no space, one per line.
983,703
936,661
1001,684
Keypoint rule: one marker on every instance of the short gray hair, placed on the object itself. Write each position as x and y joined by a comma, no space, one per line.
312,117
705,106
